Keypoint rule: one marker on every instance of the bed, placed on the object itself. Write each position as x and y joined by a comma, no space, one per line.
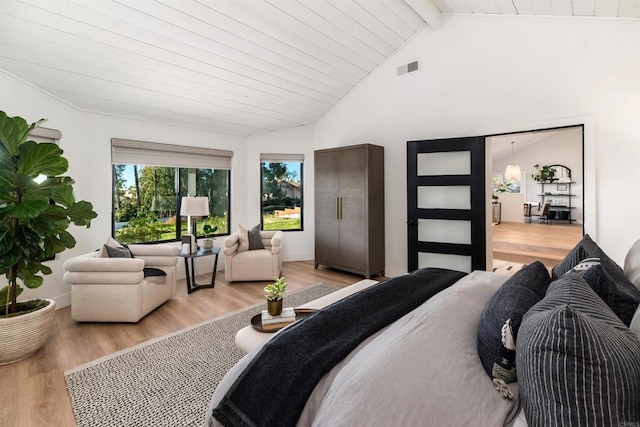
451,360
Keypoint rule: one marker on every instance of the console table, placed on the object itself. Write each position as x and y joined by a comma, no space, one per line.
191,274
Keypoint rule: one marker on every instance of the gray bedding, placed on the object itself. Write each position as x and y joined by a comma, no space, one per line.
422,370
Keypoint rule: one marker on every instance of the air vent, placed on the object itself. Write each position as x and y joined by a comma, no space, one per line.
408,68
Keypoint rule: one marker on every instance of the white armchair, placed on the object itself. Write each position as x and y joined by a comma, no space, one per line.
257,264
115,289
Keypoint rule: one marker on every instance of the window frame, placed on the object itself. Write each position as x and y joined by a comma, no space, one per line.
282,158
178,200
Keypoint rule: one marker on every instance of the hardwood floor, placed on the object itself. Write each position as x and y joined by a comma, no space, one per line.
33,390
524,243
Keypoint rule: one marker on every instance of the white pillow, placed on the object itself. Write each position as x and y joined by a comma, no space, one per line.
632,264
243,239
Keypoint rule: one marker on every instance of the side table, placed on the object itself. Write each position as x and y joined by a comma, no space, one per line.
191,274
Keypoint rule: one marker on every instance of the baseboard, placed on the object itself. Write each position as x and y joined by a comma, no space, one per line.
62,300
300,256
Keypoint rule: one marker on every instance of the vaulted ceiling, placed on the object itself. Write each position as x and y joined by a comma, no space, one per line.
238,67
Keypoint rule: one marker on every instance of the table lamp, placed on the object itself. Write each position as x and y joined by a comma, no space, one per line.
193,207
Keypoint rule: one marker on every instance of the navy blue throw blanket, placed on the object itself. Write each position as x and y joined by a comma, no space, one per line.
274,387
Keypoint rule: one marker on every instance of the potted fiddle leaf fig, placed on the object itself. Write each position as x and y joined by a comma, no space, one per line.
274,293
37,206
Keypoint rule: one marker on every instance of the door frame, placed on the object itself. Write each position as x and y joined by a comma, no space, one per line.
589,206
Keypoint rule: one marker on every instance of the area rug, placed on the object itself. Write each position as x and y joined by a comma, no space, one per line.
167,381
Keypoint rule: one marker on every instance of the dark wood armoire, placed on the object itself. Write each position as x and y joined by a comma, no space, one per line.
349,209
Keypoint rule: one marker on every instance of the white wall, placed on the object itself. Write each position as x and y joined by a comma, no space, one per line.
483,75
86,141
298,245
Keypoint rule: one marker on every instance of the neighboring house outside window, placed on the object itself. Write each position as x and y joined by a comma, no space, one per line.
281,191
146,197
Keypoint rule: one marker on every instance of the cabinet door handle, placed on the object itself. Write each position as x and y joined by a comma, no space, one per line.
337,208
340,207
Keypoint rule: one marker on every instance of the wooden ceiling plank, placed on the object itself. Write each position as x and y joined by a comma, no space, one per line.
607,8
93,88
524,7
445,6
387,17
629,9
584,8
249,77
272,22
193,30
281,41
411,20
562,7
506,7
227,60
176,75
490,6
348,26
152,113
462,6
77,72
542,7
316,27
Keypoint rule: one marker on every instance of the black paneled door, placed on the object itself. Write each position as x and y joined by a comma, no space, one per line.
446,216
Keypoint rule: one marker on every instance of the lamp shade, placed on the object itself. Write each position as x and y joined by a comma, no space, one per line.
512,173
194,206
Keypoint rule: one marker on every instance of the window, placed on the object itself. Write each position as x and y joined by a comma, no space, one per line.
281,191
146,196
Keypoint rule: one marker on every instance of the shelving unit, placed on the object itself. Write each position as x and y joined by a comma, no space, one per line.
558,197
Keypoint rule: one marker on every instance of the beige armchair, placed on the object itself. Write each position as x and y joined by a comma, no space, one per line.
115,289
257,264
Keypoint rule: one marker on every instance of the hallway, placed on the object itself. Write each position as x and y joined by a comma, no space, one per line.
524,243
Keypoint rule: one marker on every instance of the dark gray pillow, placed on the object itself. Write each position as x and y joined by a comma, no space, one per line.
255,240
500,321
582,250
119,252
602,275
578,364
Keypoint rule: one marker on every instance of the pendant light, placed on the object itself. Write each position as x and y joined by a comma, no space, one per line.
512,172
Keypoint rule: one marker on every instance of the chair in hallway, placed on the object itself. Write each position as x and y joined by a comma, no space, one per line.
543,215
527,213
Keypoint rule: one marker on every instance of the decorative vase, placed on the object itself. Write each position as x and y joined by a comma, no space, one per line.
23,335
274,308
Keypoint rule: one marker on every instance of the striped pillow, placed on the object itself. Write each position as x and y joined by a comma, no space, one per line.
578,364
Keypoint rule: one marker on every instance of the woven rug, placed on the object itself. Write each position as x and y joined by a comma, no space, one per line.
167,381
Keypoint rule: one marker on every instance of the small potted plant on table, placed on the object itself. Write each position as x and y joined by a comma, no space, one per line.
274,293
209,231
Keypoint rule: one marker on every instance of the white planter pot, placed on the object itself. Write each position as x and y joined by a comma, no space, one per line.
23,335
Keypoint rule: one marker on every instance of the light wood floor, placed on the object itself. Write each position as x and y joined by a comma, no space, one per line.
524,243
33,391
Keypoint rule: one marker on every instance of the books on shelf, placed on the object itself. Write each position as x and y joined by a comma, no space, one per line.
287,317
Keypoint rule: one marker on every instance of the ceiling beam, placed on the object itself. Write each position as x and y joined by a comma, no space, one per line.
427,11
